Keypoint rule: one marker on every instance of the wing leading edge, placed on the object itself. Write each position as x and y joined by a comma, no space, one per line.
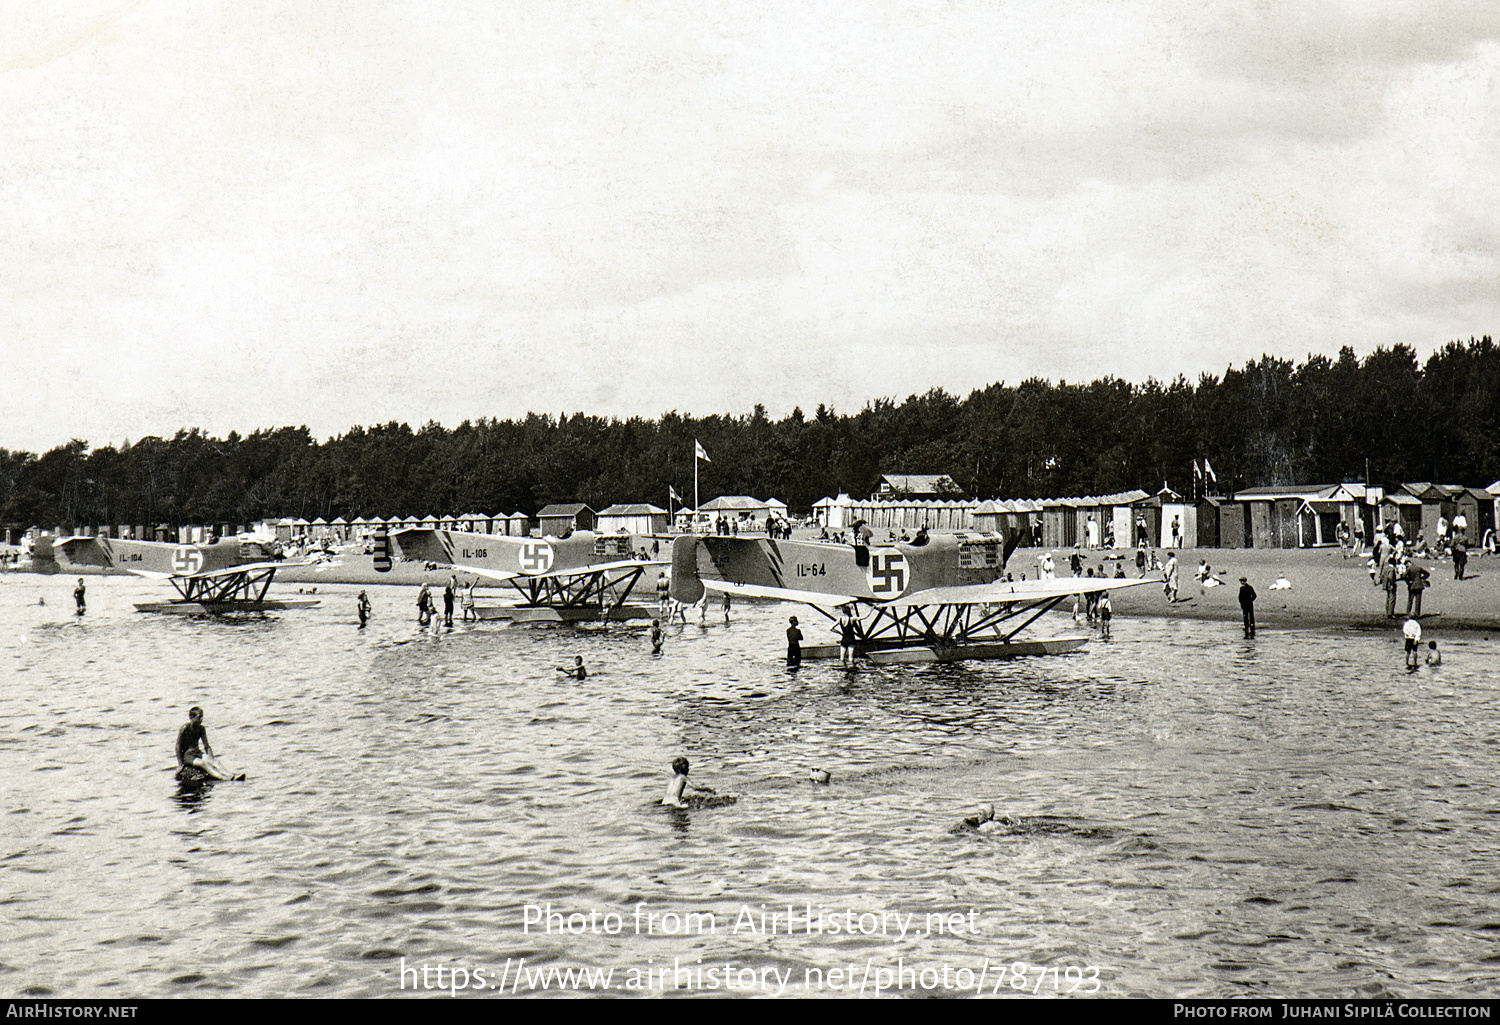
1018,590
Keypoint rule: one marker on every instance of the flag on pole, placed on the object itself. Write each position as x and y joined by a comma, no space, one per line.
1197,471
1210,471
698,451
673,492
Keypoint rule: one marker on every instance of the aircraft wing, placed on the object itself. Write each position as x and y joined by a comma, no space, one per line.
1017,590
504,575
243,567
593,567
831,601
479,571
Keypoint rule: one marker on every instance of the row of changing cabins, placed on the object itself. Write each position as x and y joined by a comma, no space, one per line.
1266,517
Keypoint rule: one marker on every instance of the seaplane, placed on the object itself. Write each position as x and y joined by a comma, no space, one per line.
946,600
584,576
221,577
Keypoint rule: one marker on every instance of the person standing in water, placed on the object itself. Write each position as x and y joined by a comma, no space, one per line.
1412,632
848,630
1247,607
656,637
193,747
78,595
793,643
362,606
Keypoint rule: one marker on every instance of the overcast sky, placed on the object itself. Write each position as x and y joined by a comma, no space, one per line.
237,215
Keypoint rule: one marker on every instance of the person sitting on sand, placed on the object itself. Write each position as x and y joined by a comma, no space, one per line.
576,670
189,739
676,796
1282,584
1434,658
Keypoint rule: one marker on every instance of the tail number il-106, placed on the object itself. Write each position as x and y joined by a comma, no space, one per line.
475,553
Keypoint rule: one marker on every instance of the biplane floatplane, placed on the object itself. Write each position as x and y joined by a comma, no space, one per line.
219,578
584,576
942,601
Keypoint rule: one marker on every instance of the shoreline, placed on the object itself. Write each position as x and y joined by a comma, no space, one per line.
1328,590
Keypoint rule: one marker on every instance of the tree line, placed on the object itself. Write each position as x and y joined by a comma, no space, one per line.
1269,422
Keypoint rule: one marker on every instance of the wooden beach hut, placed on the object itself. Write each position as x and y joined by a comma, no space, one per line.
562,518
1402,508
637,518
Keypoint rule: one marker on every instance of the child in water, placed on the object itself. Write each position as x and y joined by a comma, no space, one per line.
675,796
576,670
1433,657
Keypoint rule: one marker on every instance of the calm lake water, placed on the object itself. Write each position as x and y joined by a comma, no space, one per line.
1199,815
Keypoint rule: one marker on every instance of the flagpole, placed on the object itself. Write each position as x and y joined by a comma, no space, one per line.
695,485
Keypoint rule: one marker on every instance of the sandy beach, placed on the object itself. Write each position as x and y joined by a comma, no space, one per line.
1327,589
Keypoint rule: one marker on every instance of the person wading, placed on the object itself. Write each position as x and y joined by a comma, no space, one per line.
1247,606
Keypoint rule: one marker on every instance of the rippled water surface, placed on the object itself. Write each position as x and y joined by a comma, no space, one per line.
1198,815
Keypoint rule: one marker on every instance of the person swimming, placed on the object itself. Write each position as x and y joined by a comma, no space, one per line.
676,796
984,820
576,670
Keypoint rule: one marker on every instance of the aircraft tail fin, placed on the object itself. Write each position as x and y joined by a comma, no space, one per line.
1012,542
687,587
382,551
78,551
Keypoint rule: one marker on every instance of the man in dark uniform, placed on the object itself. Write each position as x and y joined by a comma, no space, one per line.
793,643
1416,583
1247,607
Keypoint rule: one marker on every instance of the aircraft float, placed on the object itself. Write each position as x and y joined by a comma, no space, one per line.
942,601
557,580
228,576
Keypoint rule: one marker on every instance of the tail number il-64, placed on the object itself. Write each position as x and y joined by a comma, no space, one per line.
815,569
